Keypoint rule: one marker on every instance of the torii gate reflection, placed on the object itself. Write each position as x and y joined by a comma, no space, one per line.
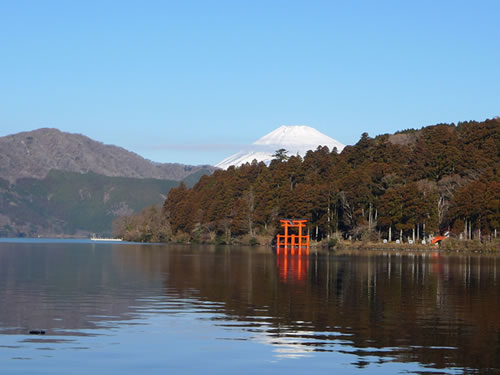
292,251
292,268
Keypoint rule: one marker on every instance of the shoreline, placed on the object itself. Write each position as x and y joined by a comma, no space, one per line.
447,246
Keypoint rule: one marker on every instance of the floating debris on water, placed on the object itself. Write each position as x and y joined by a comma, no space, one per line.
37,332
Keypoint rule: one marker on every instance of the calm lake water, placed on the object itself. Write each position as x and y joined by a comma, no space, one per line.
128,309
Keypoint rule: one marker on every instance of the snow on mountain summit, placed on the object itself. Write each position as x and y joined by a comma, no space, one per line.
296,139
297,135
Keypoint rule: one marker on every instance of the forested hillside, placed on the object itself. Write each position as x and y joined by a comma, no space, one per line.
412,183
73,204
58,183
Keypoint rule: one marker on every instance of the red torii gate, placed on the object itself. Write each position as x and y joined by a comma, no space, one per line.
292,241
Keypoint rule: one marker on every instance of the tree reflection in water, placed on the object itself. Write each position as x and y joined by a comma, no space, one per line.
437,310
430,308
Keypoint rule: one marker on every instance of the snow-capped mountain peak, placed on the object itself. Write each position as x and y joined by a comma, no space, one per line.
296,139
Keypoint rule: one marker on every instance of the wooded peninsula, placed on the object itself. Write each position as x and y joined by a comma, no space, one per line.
403,186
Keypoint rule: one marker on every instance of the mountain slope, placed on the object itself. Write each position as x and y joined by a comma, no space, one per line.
296,139
33,154
56,183
69,203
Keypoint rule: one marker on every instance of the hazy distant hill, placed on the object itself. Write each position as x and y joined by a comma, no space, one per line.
56,183
33,154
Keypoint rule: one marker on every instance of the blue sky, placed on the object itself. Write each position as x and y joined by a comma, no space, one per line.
194,81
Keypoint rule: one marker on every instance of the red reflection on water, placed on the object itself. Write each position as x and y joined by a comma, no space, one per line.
437,266
292,267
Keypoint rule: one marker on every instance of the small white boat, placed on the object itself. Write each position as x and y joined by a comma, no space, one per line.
94,238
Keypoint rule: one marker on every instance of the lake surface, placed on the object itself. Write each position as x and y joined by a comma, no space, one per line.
156,309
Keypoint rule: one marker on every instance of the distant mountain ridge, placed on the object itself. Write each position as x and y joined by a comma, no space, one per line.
54,183
296,139
34,153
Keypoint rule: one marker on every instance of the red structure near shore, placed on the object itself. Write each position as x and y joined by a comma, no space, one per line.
294,242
